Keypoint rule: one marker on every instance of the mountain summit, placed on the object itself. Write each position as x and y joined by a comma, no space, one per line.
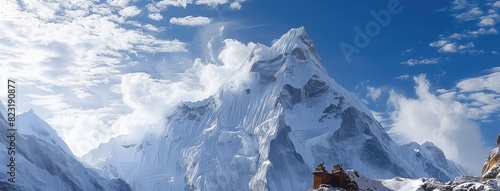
268,134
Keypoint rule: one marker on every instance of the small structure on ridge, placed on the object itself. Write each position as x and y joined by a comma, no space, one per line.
338,178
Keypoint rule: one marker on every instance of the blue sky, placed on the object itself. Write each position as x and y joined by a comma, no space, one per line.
431,73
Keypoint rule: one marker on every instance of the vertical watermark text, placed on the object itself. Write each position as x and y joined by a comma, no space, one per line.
11,130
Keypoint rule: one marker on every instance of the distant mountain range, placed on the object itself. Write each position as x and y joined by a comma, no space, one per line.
44,162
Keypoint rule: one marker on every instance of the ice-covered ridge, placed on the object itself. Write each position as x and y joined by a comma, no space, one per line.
30,124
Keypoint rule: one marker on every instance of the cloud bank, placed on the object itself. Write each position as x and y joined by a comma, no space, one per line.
444,118
90,85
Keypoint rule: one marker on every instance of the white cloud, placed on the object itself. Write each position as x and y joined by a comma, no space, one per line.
382,118
151,27
119,3
130,11
76,80
403,77
484,98
441,120
146,96
191,21
486,22
438,43
487,82
483,16
456,36
483,31
235,6
67,76
211,3
459,4
472,14
466,46
374,93
81,93
176,3
155,16
412,62
496,4
450,47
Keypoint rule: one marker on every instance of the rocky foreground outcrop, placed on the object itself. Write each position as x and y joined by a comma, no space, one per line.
468,183
462,183
491,167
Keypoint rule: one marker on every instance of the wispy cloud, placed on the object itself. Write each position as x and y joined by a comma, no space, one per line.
191,21
412,62
487,82
155,16
483,16
374,93
130,11
236,5
211,2
403,77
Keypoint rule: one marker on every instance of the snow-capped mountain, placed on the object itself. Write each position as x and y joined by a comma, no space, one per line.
44,162
268,132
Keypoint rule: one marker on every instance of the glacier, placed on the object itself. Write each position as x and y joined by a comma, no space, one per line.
268,132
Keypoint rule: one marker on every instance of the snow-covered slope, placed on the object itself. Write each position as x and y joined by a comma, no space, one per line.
268,133
3,111
30,124
44,162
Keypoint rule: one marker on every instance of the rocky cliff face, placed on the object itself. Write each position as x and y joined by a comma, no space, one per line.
268,133
492,168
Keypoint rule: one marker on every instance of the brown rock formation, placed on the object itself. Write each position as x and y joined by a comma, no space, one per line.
491,167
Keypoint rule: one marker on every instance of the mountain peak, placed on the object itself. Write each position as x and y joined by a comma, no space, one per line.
428,144
31,115
294,33
295,37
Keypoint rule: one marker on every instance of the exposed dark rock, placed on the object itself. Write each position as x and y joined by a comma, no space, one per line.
315,87
289,96
299,54
268,68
